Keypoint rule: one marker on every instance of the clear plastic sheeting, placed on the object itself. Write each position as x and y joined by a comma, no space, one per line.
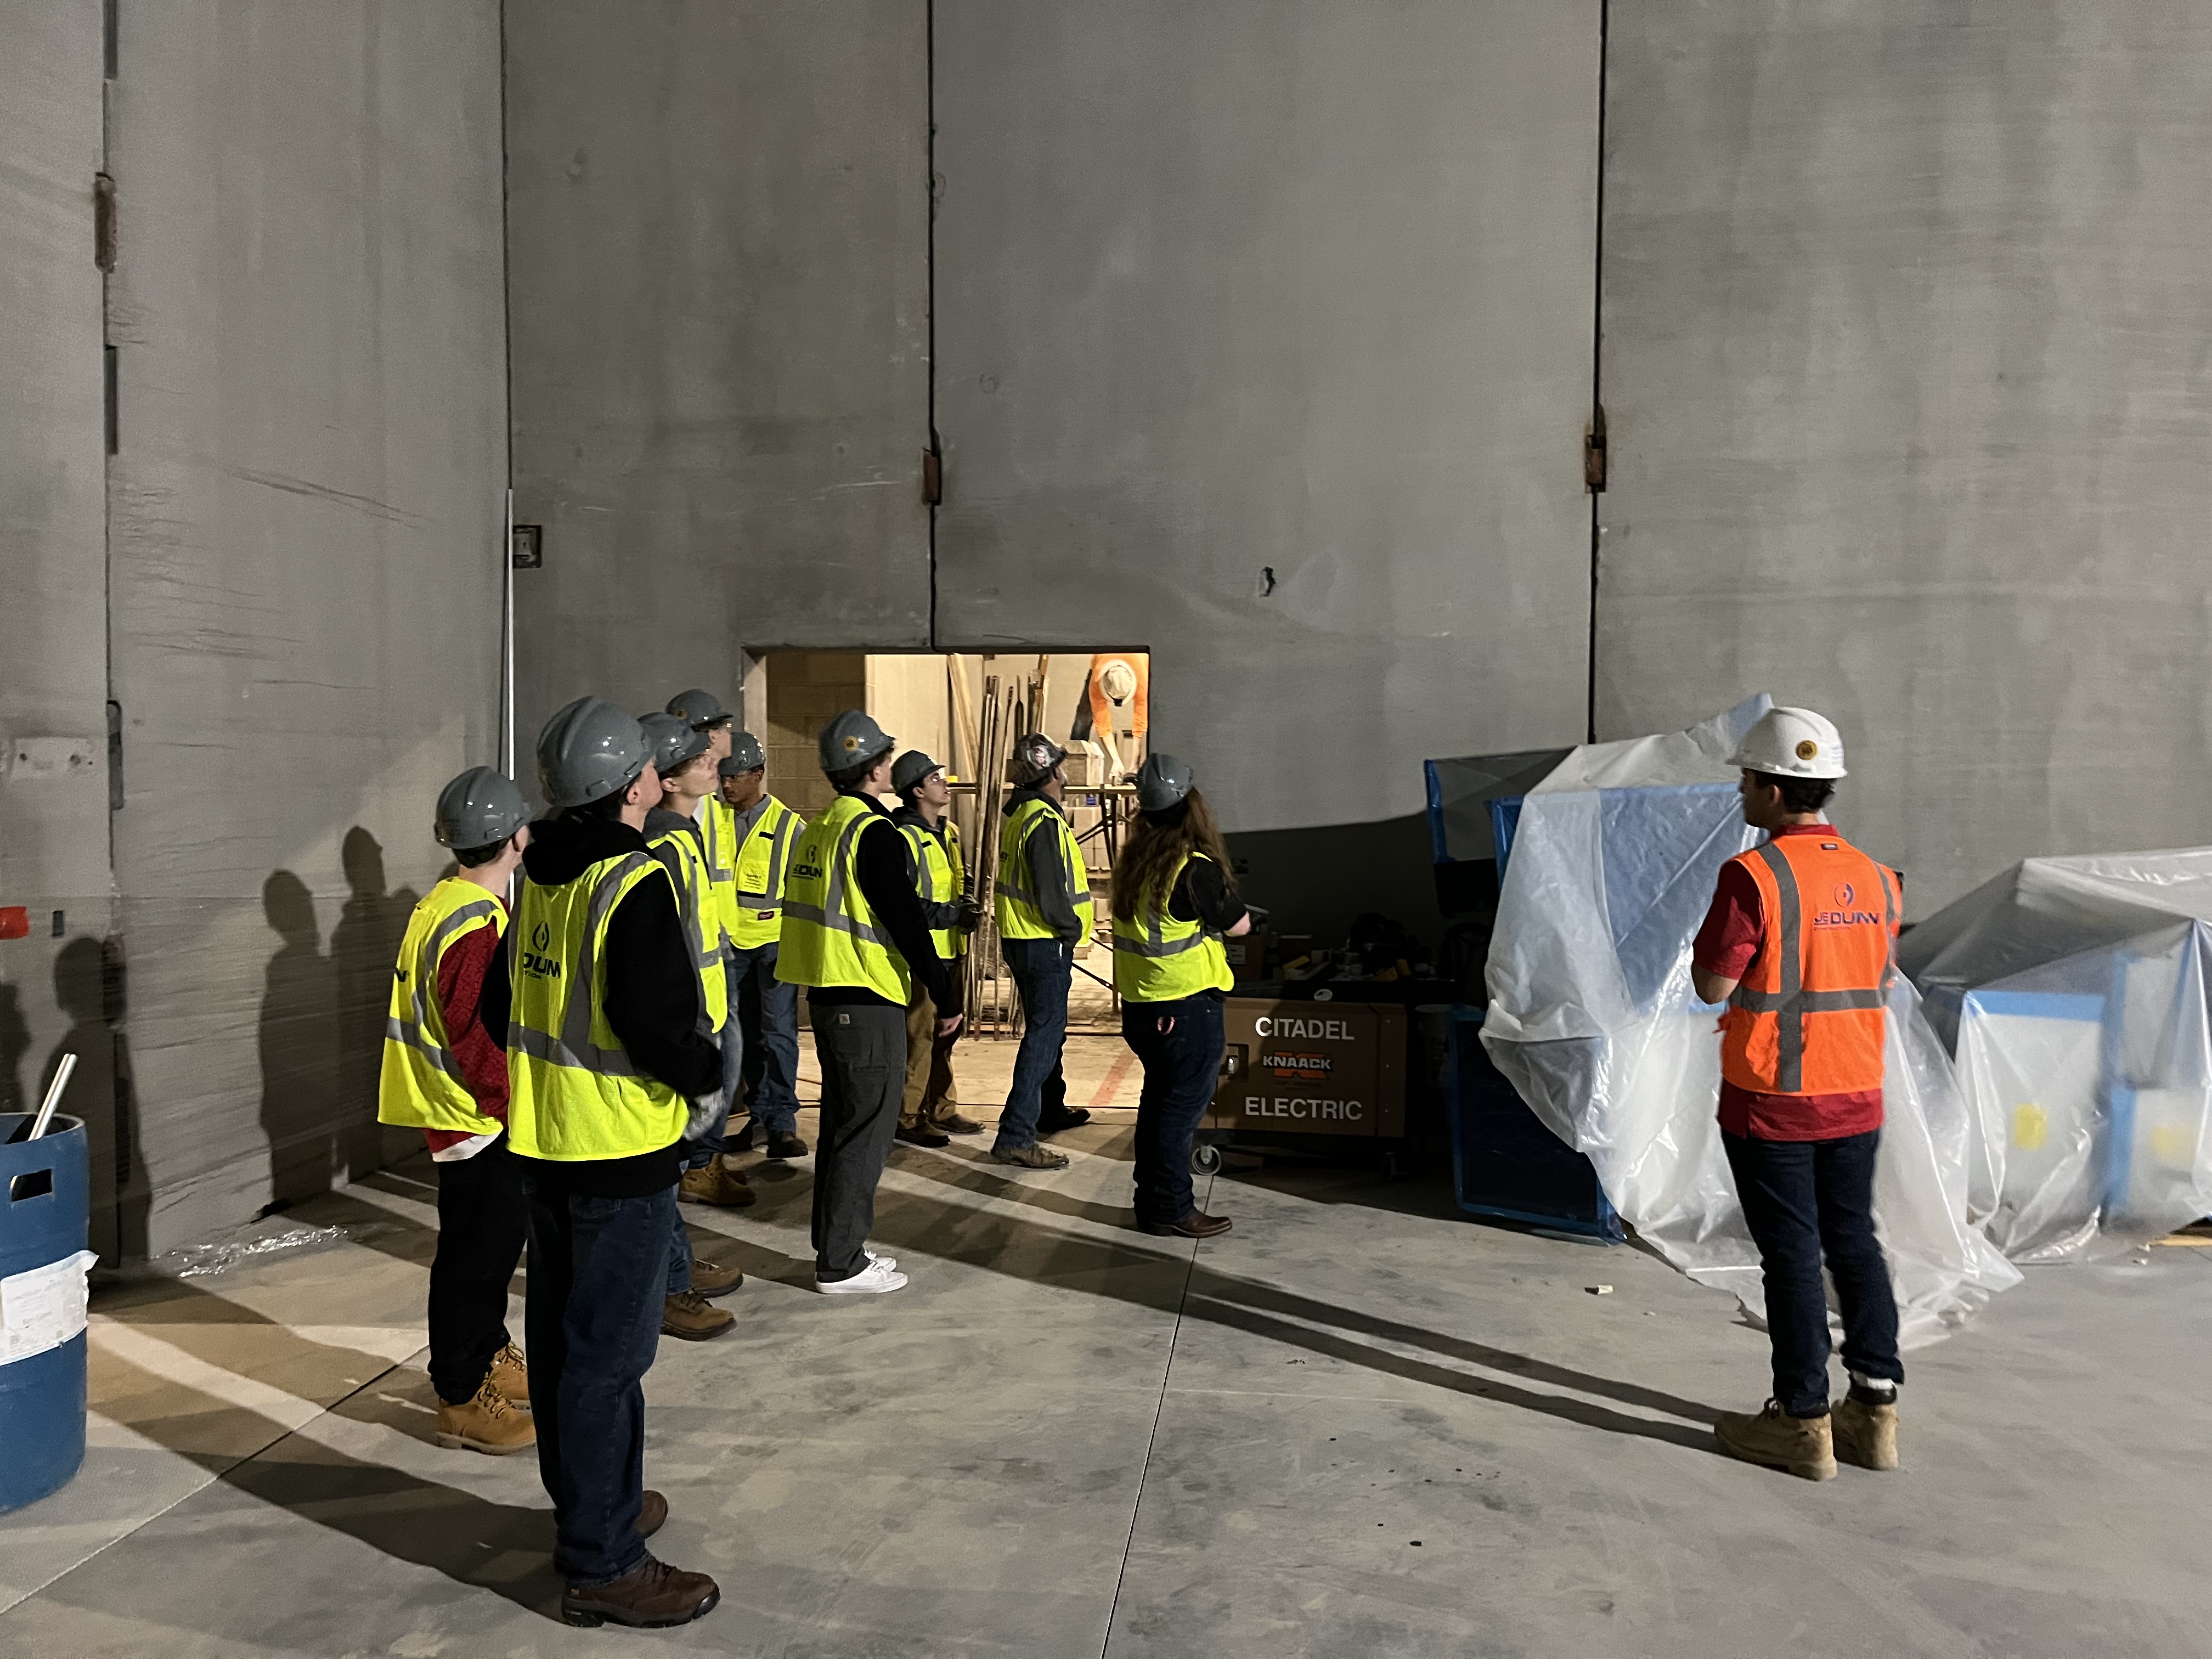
204,1261
2073,992
1593,1019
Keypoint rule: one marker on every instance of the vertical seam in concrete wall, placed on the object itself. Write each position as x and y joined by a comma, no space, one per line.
929,259
1597,372
506,712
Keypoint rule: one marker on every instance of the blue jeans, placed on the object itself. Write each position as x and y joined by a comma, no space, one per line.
1042,971
1179,1044
699,1153
768,1014
1804,1199
594,1319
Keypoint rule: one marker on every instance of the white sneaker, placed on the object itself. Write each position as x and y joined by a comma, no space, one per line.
871,1280
889,1261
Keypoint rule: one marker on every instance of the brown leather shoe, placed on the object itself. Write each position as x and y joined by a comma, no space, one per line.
1196,1224
949,1121
1068,1117
653,1595
715,1183
921,1134
510,1374
691,1316
651,1513
708,1279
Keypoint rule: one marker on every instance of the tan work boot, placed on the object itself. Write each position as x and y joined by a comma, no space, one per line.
709,1280
487,1423
1799,1445
691,1316
715,1182
653,1595
1866,1433
510,1374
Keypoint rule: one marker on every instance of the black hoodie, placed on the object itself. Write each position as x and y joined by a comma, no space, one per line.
652,996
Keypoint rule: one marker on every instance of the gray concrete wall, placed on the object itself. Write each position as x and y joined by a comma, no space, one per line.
1906,366
1252,285
306,523
719,276
54,669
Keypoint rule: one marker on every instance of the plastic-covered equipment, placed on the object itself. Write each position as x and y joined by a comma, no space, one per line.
2074,993
43,1224
1592,1017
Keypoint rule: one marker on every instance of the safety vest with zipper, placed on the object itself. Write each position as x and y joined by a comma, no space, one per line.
1809,1016
1013,905
700,909
939,873
831,935
574,1092
1160,958
758,865
421,1086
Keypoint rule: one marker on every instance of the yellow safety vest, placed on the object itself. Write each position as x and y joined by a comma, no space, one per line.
1014,905
718,834
829,933
574,1092
1157,958
702,910
939,873
756,890
421,1086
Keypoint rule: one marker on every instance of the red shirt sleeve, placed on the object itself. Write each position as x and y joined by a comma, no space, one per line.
1734,927
461,983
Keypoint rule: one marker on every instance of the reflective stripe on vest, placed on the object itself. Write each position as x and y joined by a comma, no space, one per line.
702,911
756,894
829,933
1013,904
1159,958
1808,1017
575,1093
939,873
420,1085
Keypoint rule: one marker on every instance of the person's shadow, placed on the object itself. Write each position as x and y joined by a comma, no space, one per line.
298,1044
364,945
89,987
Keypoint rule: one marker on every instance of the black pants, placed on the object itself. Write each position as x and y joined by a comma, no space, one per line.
598,1268
482,1218
1179,1045
1805,1200
861,1047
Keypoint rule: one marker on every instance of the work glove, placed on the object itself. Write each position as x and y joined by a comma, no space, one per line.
971,915
704,1110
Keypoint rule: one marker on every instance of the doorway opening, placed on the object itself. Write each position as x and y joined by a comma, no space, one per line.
965,711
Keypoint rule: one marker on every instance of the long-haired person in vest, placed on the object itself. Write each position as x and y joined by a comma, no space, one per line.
1799,945
1174,901
596,994
447,1076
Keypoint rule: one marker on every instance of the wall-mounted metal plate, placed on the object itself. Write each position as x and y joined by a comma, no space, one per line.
529,552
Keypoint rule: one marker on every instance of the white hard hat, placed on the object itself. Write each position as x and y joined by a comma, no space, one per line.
1791,743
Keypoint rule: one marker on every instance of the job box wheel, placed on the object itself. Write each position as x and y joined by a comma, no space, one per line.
1205,1160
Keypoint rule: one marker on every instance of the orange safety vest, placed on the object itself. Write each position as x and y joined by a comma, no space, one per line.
1807,1018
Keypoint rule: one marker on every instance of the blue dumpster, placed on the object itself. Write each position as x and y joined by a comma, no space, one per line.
43,1224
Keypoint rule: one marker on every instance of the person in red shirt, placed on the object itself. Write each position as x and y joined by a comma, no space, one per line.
445,1075
1798,944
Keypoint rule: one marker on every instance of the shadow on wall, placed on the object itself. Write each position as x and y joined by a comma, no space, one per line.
322,1026
89,989
15,1044
1316,881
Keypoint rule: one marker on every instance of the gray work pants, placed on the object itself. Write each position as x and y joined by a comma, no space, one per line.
861,1049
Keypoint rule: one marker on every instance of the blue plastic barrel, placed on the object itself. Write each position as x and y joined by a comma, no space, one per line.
44,1218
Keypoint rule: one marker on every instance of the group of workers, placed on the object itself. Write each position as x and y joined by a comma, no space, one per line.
574,1073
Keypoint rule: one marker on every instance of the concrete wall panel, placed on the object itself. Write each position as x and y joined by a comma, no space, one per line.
306,523
53,658
1908,366
1247,287
718,223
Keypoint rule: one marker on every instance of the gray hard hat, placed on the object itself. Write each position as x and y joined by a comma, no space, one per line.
744,755
1162,781
910,769
480,808
853,739
590,749
697,708
1035,756
672,741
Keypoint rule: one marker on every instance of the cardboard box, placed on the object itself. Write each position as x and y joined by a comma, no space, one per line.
1314,1068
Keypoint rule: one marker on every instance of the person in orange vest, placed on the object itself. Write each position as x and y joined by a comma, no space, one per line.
1799,945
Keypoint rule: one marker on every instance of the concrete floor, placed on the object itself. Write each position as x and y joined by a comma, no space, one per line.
1357,1425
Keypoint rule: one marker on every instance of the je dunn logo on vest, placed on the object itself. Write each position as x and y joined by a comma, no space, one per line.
1843,915
534,961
